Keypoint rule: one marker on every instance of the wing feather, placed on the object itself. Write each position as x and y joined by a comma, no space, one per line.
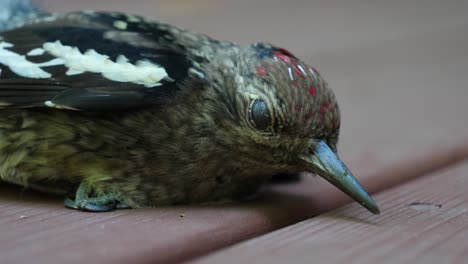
90,62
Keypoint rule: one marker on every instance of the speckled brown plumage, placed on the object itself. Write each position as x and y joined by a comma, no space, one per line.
200,140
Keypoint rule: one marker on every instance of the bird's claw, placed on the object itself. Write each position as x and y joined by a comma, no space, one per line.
83,202
94,206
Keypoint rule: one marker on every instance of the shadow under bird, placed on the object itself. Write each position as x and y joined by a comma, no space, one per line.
117,111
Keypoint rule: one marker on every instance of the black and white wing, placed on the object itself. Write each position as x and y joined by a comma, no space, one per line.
90,62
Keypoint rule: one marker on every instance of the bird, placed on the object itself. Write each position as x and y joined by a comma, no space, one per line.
117,111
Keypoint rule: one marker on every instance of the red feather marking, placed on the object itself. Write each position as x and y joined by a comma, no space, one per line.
287,57
283,57
262,71
312,91
322,109
286,52
298,71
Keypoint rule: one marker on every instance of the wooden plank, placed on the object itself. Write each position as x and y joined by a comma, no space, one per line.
424,221
37,227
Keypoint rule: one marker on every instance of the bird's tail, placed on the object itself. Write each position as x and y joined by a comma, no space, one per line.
13,13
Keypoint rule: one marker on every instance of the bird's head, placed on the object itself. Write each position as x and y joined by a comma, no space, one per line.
280,116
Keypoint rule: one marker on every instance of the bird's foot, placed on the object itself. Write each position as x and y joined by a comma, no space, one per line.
83,201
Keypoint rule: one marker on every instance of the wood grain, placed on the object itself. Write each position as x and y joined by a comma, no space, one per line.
36,227
423,221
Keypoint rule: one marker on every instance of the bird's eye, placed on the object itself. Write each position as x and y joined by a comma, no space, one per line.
259,115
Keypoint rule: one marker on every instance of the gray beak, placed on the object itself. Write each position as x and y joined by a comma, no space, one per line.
325,163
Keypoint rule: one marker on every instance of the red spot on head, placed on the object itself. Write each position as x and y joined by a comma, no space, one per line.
290,59
286,52
312,91
298,71
325,106
283,57
322,109
262,71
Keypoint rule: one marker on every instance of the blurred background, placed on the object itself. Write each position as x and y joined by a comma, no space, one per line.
399,68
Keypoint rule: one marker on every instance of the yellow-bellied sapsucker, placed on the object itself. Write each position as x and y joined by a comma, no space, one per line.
118,111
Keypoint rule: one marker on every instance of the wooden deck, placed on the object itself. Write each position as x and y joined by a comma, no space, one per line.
400,72
424,221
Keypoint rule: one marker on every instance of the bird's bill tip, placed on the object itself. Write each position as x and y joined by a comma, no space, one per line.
325,163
